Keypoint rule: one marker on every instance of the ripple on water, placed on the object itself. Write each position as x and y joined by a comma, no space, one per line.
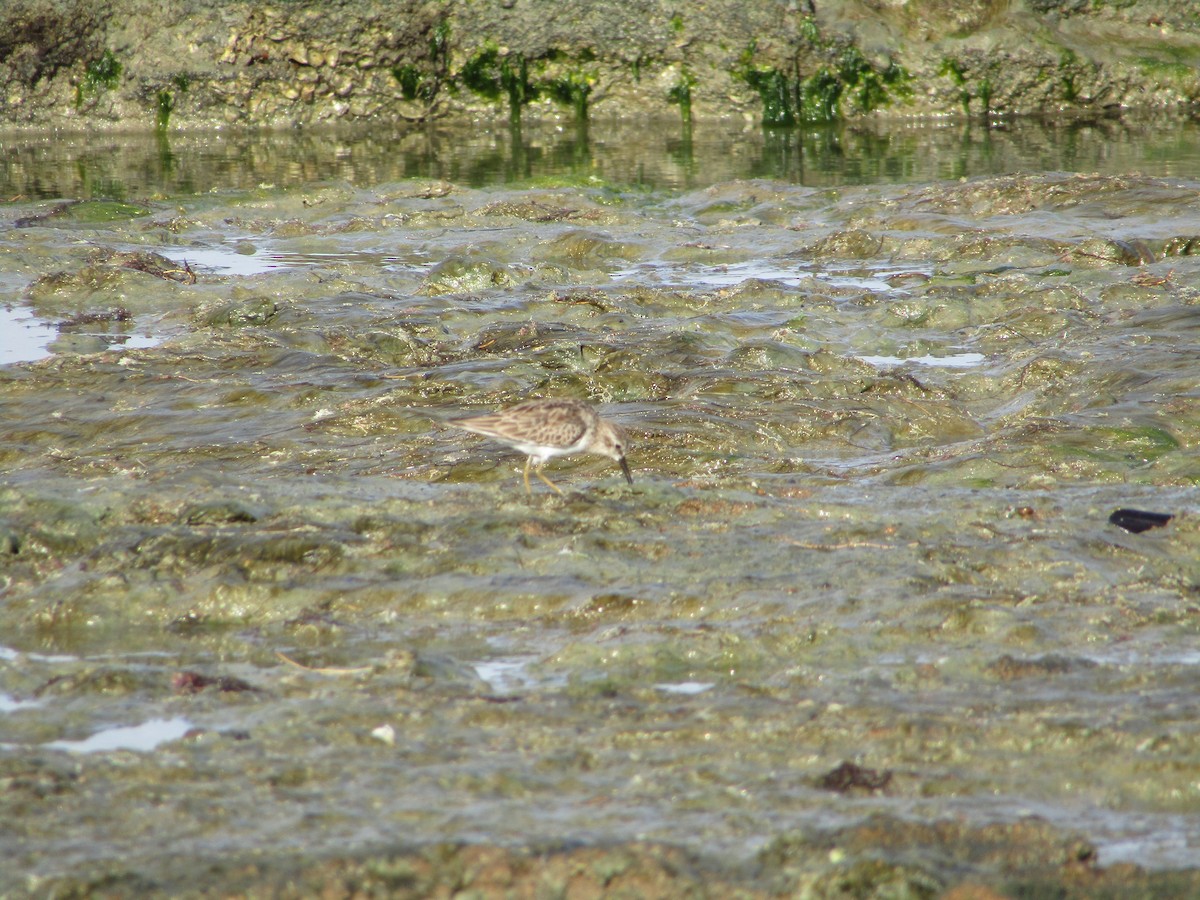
26,336
902,567
144,737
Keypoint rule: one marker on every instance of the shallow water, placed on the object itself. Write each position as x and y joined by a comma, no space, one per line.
879,429
659,155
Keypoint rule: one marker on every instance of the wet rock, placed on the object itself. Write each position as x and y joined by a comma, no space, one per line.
1125,253
849,777
1137,521
1029,847
1007,667
218,513
586,249
868,525
462,275
240,313
188,682
501,60
848,245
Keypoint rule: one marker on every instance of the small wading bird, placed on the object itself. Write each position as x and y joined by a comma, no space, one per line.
547,428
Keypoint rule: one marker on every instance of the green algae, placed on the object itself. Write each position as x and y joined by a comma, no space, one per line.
98,212
1134,444
572,89
165,100
967,92
423,81
680,94
513,77
844,82
496,76
102,74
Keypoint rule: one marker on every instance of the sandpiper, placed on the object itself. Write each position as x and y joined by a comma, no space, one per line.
547,428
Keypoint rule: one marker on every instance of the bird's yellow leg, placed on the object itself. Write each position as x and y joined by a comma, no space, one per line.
538,472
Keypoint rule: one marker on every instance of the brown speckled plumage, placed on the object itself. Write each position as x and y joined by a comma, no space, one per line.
543,429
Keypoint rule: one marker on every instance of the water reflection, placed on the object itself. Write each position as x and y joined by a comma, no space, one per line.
144,737
25,336
660,155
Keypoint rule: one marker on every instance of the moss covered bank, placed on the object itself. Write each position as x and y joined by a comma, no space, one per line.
190,63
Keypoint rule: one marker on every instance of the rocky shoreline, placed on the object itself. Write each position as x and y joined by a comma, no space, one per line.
124,64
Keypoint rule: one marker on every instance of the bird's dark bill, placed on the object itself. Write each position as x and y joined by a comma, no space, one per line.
625,469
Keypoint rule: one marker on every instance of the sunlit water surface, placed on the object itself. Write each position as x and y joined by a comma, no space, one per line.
663,158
